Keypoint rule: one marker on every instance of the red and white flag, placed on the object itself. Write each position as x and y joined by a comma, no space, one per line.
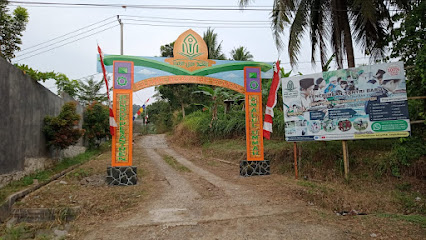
272,101
112,123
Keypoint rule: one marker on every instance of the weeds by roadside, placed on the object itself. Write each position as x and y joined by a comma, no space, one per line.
43,176
175,164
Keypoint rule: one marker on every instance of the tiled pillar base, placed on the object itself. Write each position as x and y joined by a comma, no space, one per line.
122,176
254,168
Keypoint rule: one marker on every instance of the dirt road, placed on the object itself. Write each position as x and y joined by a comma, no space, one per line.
198,204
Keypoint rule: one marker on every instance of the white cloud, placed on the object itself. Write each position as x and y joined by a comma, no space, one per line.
146,72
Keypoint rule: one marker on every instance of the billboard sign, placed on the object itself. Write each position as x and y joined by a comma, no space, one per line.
355,103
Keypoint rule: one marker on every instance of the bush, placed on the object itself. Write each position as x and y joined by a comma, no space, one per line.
62,131
96,123
405,153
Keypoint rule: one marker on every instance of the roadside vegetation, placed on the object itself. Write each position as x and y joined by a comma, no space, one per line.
45,175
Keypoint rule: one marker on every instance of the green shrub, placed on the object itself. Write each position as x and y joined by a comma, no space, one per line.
62,131
405,153
96,123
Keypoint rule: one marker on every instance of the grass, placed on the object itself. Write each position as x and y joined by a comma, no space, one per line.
314,186
175,164
417,219
27,231
408,203
43,176
228,144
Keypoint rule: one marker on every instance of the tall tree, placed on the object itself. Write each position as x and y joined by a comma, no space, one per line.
89,91
241,54
178,95
214,48
338,22
11,28
409,45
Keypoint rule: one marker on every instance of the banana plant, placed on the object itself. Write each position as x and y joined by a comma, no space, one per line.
217,95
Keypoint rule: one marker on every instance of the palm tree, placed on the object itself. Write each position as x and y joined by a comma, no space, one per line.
215,50
336,21
167,50
241,54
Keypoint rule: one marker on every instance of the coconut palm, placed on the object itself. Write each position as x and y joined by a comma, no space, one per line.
335,21
215,50
241,54
167,50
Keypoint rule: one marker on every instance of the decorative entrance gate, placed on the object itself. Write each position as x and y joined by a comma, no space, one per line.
190,64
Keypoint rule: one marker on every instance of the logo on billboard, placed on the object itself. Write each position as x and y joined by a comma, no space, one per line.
393,70
290,91
290,86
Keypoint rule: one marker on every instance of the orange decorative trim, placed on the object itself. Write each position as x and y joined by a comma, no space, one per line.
163,80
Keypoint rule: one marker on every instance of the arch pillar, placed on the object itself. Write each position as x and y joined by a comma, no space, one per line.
121,171
255,163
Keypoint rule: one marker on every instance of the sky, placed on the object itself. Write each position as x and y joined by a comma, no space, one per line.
80,28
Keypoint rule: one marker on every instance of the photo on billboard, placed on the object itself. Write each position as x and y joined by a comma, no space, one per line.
355,103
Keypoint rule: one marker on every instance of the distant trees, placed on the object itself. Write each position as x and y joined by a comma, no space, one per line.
11,28
241,54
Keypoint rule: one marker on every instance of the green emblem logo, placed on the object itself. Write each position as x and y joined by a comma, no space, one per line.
122,81
254,85
190,47
290,86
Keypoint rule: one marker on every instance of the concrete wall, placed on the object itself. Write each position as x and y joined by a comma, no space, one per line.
23,105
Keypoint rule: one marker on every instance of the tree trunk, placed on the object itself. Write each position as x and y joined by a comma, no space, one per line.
183,110
347,38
